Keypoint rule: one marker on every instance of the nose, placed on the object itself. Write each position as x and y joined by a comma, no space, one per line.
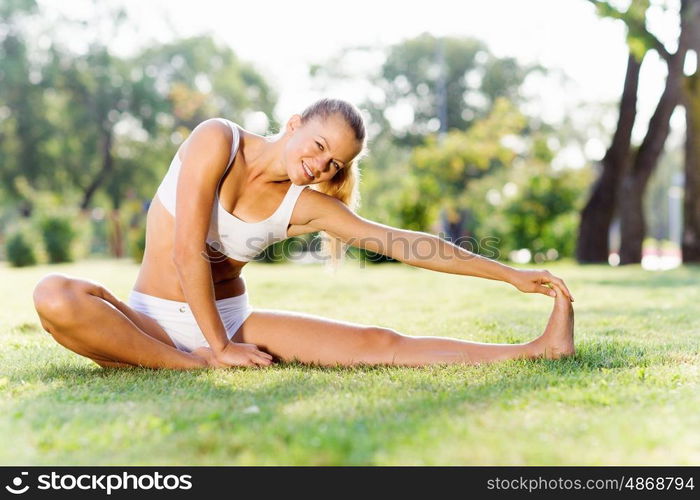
320,165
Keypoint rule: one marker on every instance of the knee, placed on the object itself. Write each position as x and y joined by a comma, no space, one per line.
383,342
54,297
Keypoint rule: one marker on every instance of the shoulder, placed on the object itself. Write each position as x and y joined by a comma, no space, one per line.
313,199
213,136
215,129
315,209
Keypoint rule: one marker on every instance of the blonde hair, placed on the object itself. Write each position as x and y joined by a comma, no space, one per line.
345,185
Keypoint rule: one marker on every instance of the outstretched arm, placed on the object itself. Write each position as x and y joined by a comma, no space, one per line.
423,250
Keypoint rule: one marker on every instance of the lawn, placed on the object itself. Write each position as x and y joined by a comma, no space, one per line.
631,395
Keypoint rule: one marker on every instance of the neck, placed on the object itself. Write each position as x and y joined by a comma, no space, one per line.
265,161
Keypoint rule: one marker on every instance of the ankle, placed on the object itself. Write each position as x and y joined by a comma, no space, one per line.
536,348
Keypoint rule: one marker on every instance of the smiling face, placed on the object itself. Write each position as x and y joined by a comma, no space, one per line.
318,148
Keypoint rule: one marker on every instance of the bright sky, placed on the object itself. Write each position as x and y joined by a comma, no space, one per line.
282,38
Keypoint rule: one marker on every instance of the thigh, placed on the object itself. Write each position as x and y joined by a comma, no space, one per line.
311,339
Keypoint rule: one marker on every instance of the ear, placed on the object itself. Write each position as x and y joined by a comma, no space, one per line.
293,123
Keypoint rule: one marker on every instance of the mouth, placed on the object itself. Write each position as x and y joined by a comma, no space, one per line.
307,171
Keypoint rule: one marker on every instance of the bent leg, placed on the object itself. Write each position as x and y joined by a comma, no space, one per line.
87,319
310,339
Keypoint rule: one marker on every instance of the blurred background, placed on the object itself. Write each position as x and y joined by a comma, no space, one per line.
526,131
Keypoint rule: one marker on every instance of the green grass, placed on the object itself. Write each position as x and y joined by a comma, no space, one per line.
631,395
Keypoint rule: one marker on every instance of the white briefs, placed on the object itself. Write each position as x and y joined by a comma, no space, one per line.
177,319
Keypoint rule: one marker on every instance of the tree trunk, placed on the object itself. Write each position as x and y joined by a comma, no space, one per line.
116,234
691,202
455,224
593,245
632,221
634,185
107,164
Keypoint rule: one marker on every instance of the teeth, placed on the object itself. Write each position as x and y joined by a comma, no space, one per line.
306,169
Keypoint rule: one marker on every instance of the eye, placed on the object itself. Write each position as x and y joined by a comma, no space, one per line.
320,146
337,165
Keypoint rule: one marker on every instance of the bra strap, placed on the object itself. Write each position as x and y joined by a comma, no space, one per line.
235,142
287,205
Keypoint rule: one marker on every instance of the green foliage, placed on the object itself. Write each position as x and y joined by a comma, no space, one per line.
58,234
19,249
24,128
440,171
368,257
465,155
281,251
639,39
530,206
16,8
97,130
137,243
419,70
203,79
494,174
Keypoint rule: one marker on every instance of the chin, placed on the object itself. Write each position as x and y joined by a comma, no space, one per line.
298,180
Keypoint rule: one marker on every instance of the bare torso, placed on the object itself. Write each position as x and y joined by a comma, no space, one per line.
246,198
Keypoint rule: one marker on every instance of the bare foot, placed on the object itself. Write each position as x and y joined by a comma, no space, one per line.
557,341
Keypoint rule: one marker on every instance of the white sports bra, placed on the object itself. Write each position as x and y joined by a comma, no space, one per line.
228,234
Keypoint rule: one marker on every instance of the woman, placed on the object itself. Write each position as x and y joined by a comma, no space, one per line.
189,307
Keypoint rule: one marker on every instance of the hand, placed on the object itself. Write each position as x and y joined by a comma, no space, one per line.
234,354
538,281
208,356
238,354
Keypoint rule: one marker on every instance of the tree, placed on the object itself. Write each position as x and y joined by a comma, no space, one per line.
201,79
691,102
596,216
24,128
632,224
625,173
449,82
98,93
529,206
449,165
592,243
151,97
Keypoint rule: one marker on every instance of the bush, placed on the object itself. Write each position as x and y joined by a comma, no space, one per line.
58,234
19,250
137,243
282,250
536,208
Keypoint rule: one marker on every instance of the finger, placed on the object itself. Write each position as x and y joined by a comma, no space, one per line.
563,286
261,361
256,350
547,290
265,355
560,290
544,279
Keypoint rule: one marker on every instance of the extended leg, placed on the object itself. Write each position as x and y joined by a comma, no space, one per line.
311,339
